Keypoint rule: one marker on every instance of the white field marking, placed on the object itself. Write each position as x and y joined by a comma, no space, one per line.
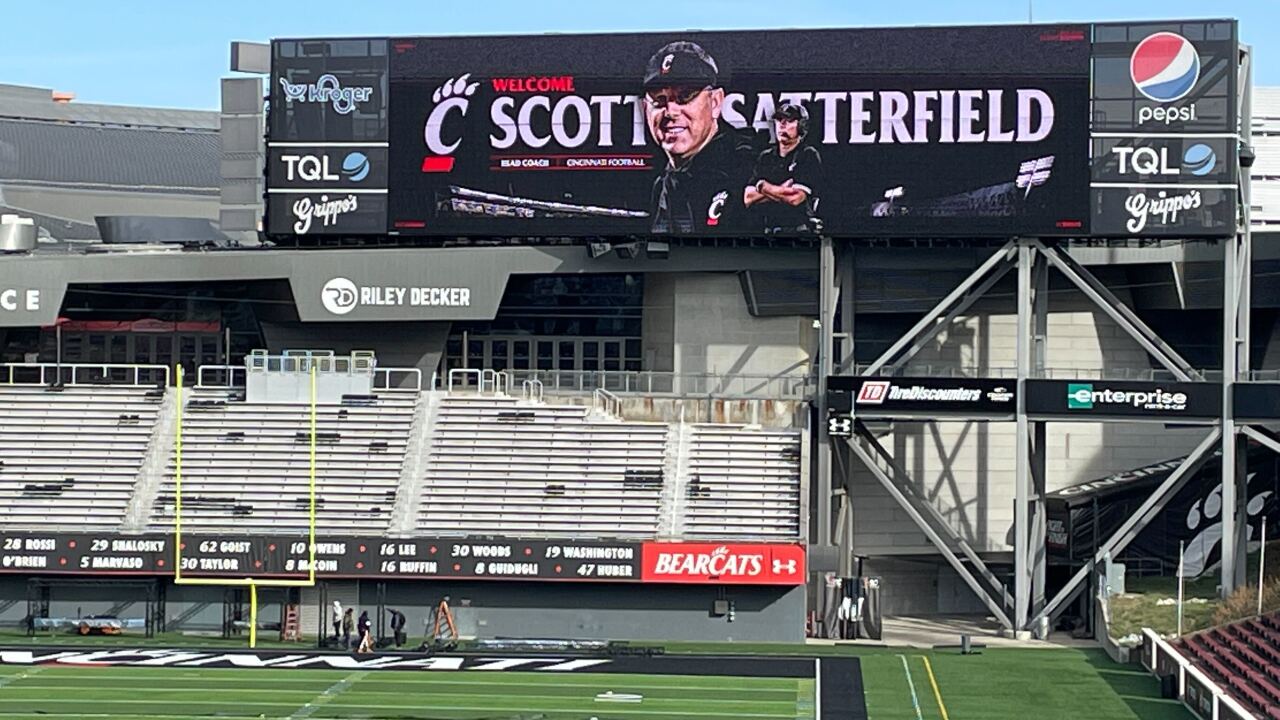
5,680
681,714
423,681
327,696
817,688
915,701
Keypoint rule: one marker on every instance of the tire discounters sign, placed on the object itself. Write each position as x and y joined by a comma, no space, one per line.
905,396
1094,399
723,563
357,557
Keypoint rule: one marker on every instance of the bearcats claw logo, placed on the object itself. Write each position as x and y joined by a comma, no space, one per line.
717,207
453,96
1165,67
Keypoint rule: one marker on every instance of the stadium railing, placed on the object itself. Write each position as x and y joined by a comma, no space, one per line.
384,379
476,380
650,382
531,390
1049,373
1195,689
606,402
389,379
129,375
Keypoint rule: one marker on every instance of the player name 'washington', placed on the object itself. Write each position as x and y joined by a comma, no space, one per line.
1024,115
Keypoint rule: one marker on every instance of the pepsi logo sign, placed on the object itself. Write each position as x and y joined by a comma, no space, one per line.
1165,67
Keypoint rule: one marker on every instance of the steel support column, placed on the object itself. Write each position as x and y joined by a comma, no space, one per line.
1232,569
845,363
1022,476
826,320
1237,282
1039,519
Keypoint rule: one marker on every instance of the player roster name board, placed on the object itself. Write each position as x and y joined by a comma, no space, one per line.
339,557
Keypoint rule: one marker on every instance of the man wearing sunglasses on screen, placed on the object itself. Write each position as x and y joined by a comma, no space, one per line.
708,163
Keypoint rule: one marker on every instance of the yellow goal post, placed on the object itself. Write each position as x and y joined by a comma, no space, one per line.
251,582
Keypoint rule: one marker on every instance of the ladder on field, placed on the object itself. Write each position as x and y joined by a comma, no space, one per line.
290,631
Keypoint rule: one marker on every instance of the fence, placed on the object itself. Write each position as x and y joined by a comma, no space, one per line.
47,374
645,382
1195,689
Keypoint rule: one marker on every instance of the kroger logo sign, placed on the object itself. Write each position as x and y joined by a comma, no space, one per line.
326,89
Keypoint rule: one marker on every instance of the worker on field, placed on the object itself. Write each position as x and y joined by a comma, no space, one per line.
364,629
348,627
397,626
337,620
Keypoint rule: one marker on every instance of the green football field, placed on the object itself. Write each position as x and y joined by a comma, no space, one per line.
997,684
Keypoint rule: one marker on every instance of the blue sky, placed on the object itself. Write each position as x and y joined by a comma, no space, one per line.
171,53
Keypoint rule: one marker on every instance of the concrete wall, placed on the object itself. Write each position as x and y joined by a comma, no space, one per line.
696,323
397,344
482,609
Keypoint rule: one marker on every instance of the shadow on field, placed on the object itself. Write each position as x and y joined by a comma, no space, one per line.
1139,690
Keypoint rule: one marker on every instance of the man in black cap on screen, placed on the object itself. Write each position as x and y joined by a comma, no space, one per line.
708,163
784,183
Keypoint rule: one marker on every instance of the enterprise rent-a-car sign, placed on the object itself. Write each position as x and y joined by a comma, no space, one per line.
1092,399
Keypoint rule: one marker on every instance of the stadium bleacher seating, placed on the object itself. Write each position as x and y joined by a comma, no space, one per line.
245,465
71,455
742,483
1244,659
500,466
103,456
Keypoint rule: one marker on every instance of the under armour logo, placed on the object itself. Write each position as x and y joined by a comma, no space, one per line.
840,426
780,567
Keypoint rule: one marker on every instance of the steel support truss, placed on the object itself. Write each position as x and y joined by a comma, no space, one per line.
1027,609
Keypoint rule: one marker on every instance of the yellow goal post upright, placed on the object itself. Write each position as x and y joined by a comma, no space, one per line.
251,582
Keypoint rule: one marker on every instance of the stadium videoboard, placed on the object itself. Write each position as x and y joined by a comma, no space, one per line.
989,131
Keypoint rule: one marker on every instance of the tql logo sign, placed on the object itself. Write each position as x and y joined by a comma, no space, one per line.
1198,159
316,168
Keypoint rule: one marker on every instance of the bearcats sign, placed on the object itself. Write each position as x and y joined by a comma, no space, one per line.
410,558
725,563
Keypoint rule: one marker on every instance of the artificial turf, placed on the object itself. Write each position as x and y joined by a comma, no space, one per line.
1004,683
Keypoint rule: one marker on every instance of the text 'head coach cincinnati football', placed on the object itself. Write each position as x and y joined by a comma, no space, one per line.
700,188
